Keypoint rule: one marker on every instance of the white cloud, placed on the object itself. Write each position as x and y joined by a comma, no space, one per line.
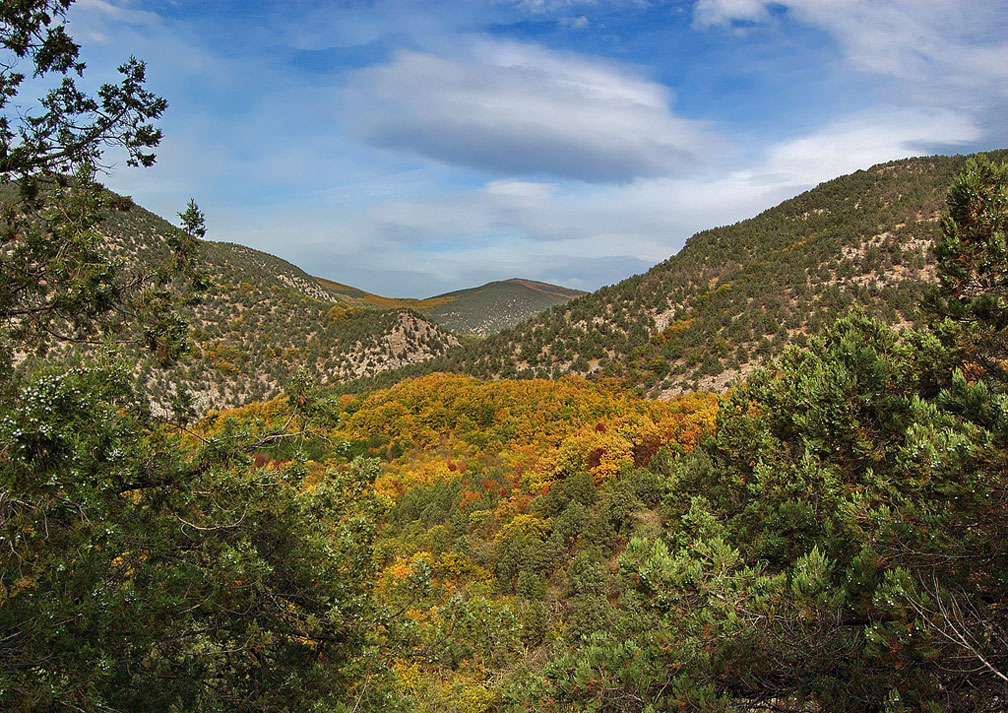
521,190
717,12
510,108
949,50
578,23
551,230
118,13
541,7
864,139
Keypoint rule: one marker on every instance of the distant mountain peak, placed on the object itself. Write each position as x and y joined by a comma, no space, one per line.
482,310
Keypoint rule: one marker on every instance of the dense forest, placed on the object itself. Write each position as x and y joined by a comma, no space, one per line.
828,535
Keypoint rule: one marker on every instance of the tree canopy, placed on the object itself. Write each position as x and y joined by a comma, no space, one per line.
969,307
143,567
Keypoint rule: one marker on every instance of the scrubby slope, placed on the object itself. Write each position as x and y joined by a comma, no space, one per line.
735,295
262,319
494,306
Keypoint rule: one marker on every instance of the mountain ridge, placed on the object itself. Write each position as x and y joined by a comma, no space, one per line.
734,296
731,299
262,318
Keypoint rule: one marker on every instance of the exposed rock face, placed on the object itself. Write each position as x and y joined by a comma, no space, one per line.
409,340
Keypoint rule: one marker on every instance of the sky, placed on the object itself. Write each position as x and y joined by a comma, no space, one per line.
412,148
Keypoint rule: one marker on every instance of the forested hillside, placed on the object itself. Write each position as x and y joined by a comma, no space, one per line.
259,320
735,296
831,536
505,506
495,306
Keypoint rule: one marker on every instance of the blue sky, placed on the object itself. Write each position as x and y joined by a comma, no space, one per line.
411,148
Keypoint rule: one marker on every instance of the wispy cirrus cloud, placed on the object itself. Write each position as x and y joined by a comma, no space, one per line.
949,47
862,139
716,12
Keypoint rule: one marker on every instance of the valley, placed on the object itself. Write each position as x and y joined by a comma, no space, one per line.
547,537
766,475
